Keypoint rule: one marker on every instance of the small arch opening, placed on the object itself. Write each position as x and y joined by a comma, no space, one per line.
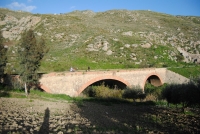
154,80
150,87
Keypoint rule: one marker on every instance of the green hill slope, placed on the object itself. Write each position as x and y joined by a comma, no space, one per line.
106,40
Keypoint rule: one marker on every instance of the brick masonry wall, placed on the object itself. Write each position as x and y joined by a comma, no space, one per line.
172,77
73,83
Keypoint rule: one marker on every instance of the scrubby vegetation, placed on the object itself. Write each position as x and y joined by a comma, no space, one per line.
102,92
116,39
188,94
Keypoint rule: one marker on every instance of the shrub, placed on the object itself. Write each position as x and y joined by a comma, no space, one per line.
89,92
179,57
141,96
149,88
133,93
155,91
102,92
116,93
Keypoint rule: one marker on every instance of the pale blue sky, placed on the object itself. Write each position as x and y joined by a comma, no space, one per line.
173,7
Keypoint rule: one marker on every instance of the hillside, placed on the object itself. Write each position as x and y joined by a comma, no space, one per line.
106,40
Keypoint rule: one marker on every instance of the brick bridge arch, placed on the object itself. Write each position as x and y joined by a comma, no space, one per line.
84,86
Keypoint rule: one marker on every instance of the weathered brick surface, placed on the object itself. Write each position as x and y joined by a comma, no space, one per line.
73,83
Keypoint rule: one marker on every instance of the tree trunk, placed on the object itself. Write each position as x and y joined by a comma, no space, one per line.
26,89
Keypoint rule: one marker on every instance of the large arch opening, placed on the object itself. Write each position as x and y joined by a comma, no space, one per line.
110,83
104,88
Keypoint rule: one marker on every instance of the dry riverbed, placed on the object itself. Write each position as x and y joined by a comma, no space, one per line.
35,116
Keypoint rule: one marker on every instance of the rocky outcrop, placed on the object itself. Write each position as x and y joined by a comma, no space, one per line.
100,45
188,57
15,27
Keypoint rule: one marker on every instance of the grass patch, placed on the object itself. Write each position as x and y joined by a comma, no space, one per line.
35,94
189,72
4,94
48,96
31,100
9,93
189,113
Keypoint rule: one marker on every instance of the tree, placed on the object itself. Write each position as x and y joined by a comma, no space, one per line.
177,94
3,58
186,94
197,80
190,94
31,52
166,93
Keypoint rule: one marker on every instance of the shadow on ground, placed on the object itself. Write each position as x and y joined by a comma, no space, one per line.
44,129
128,118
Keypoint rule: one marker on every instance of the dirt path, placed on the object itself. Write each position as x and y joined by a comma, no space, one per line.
38,116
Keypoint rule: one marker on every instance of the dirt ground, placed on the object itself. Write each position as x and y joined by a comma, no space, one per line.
51,117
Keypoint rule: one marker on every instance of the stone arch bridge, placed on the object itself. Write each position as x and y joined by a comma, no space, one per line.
73,83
